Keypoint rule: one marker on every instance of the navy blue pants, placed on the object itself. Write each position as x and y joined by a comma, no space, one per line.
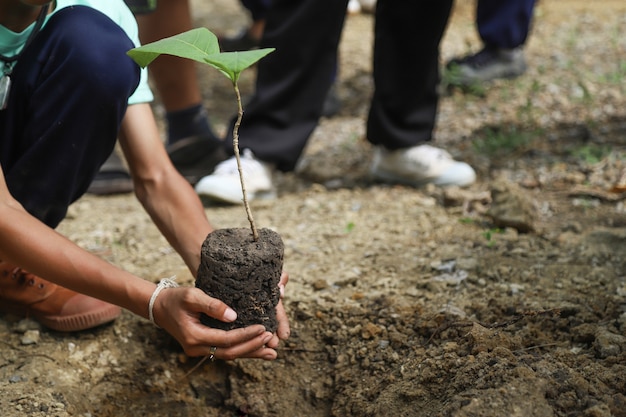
70,91
293,81
504,24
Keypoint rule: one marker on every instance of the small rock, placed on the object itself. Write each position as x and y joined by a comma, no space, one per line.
454,278
516,288
26,324
511,206
486,340
455,197
608,344
320,284
30,337
370,330
15,379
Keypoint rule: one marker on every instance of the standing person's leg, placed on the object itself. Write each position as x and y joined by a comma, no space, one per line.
503,27
175,79
292,83
258,8
192,145
404,106
250,37
406,71
504,24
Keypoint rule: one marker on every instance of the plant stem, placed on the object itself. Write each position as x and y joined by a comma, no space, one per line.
255,233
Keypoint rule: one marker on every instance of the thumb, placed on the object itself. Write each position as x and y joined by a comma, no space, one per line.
213,307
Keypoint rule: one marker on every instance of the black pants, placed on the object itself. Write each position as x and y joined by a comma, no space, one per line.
293,81
70,91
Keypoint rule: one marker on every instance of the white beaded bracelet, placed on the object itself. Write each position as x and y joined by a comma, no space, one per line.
164,283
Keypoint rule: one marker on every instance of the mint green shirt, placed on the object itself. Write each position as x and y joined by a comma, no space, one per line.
11,43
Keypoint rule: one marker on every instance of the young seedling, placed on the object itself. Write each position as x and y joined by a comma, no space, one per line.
201,45
241,269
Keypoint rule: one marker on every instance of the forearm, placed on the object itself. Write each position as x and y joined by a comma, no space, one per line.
39,249
181,219
168,198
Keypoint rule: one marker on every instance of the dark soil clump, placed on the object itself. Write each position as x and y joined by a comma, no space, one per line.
244,274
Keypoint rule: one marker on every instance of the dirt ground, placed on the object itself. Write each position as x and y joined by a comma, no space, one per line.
504,299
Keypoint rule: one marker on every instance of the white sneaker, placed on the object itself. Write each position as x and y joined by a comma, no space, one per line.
420,165
224,184
358,6
354,7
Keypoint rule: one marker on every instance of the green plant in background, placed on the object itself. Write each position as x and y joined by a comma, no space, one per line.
488,234
585,93
201,45
451,77
494,140
617,76
591,153
526,112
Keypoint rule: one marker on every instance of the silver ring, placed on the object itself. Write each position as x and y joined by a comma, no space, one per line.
212,353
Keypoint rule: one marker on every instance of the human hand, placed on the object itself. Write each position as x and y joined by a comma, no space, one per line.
283,330
178,310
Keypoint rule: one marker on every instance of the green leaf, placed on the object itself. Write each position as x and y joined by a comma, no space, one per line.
200,45
232,64
195,44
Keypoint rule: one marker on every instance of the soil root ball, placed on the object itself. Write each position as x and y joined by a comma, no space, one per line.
244,274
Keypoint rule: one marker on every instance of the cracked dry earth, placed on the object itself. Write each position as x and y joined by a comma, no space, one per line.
507,298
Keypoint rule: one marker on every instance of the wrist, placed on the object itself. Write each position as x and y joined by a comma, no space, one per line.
163,284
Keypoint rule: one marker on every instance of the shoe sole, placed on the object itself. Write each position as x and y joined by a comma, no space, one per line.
220,198
123,184
472,80
383,177
74,323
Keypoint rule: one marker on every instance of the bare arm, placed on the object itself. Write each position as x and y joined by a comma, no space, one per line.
32,245
178,213
167,197
26,241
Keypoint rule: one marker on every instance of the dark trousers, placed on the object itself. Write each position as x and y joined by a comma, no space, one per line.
69,94
293,81
504,24
258,8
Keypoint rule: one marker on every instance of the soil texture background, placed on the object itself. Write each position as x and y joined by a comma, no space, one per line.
507,298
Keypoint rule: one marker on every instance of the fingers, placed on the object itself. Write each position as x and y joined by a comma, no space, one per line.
253,348
248,342
178,311
283,331
284,278
212,306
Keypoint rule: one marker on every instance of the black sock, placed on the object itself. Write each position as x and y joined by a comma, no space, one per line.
193,121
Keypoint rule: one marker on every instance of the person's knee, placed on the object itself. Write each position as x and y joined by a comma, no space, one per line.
92,50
